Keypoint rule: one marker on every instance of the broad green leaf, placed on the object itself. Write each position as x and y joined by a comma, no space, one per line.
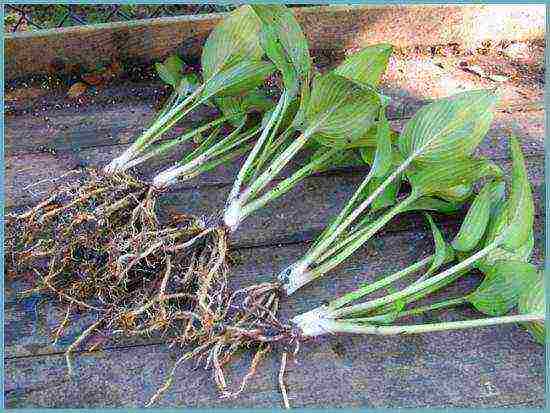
523,253
383,156
388,197
369,142
427,203
233,40
289,116
457,194
367,65
284,43
253,101
342,159
435,179
448,129
442,253
497,222
532,301
502,286
475,223
237,79
338,111
298,122
520,211
170,70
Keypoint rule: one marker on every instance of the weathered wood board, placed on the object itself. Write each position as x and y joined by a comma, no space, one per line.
329,28
489,367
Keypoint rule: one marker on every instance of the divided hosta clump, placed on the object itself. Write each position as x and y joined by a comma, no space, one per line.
97,238
434,154
496,238
98,244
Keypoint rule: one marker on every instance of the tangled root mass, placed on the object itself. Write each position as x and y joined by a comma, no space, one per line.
96,245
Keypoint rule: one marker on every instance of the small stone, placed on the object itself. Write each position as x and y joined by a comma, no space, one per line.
498,78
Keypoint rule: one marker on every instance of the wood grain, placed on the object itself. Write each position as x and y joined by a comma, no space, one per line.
332,27
477,368
489,367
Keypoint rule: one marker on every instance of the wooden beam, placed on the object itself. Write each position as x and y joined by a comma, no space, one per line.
327,27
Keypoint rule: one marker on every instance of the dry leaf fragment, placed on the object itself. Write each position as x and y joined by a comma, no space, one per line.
78,89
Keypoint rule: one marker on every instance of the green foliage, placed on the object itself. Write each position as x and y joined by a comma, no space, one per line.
448,129
443,253
520,209
170,71
437,178
339,110
234,40
503,284
532,301
367,65
476,220
284,44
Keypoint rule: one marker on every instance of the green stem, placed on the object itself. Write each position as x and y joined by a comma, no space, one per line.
287,184
201,157
269,148
167,120
342,223
346,239
300,273
417,287
335,326
236,189
375,286
453,302
233,213
165,147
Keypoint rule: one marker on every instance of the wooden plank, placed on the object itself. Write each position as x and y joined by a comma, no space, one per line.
332,27
291,220
117,113
31,168
489,367
100,124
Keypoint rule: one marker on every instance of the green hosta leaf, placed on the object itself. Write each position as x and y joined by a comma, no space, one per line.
437,178
170,70
232,41
502,286
523,253
338,111
388,197
238,79
443,253
343,159
187,84
497,222
254,101
383,156
369,141
367,65
433,204
284,43
497,229
457,194
299,119
520,211
448,129
476,220
532,301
